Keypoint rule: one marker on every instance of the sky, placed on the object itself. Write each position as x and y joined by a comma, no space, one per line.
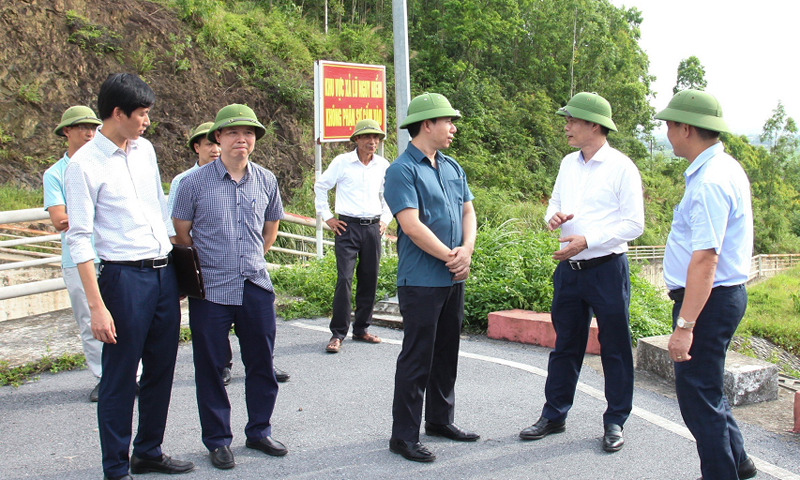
749,50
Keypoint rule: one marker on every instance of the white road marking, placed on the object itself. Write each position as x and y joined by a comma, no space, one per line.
657,420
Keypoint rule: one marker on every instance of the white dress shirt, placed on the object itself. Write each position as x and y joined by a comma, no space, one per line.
605,195
359,188
116,195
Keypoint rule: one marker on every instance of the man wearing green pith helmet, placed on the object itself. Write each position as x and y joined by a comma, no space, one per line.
230,210
597,203
706,266
428,194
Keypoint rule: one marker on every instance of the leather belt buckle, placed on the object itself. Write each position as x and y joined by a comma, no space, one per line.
367,221
575,264
160,262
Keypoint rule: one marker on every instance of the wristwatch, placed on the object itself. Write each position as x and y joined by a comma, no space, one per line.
682,323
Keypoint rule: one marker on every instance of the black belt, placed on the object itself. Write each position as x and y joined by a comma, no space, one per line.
592,262
677,294
360,221
149,263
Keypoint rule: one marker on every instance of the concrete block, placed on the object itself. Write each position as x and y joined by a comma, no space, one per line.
746,380
525,326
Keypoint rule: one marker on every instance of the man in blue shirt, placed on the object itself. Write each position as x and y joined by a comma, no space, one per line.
706,264
78,125
428,194
230,210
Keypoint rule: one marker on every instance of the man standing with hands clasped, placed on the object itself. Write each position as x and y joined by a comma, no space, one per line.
428,194
706,264
363,216
597,202
230,210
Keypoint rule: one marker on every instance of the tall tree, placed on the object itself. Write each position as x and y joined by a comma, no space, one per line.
691,74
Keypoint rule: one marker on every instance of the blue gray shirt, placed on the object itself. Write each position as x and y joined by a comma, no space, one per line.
715,212
439,195
227,223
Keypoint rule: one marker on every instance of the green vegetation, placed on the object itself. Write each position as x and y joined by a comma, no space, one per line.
12,197
511,268
30,92
89,36
773,312
16,376
178,48
144,59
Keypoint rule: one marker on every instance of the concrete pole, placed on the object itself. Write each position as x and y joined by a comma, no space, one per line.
402,81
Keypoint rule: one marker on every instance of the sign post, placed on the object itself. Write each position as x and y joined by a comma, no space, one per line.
344,93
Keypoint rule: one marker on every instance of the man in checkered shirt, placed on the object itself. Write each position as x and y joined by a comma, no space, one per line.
230,210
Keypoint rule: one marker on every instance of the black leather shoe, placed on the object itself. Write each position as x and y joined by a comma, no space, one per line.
164,464
123,477
413,451
222,458
451,431
612,439
281,376
542,428
747,469
226,376
95,395
269,446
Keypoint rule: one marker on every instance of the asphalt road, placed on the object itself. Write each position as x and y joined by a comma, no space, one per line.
334,415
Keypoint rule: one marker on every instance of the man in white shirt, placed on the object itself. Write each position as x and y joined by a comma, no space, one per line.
597,203
114,193
363,216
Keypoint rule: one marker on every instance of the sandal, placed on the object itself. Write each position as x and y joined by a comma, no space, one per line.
333,345
367,337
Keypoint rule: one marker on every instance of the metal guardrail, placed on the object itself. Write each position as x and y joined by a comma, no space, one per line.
43,286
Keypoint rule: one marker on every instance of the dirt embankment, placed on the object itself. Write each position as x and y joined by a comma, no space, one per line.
43,71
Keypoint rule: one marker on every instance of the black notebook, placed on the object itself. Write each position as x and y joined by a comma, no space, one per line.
187,267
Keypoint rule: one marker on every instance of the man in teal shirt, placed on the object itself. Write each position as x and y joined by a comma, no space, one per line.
78,125
428,194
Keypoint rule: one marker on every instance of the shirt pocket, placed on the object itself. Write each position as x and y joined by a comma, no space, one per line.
255,208
456,190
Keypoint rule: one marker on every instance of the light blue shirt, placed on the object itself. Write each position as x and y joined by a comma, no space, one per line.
55,194
173,187
715,212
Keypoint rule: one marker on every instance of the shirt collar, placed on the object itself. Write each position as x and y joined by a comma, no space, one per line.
599,156
108,148
219,167
703,158
417,154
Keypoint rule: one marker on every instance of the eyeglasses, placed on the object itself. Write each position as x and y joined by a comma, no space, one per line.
86,127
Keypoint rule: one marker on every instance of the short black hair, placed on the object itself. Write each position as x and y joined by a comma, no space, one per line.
703,133
604,130
414,128
126,91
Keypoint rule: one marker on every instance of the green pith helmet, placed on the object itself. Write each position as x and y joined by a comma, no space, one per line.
428,106
695,108
199,131
590,107
366,127
75,116
234,115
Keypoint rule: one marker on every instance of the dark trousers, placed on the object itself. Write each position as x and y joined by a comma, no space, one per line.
144,305
362,242
254,324
606,291
428,361
698,383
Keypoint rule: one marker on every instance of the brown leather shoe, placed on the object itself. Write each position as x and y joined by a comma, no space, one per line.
366,337
333,345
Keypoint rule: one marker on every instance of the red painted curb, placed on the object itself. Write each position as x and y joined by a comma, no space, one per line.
525,326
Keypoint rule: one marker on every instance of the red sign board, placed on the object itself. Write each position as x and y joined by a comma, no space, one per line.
348,93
